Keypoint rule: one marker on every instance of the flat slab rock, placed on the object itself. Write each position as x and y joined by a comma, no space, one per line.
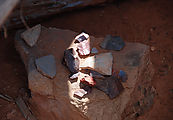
31,35
54,97
46,65
101,63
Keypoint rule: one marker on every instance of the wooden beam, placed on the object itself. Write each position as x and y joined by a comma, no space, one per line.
34,11
24,109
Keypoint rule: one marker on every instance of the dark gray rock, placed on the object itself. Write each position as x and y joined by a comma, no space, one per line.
46,65
122,76
31,35
94,50
70,61
109,85
112,43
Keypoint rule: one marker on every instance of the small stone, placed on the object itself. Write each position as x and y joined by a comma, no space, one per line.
112,43
94,50
123,76
81,37
74,76
84,43
80,93
46,65
153,48
31,35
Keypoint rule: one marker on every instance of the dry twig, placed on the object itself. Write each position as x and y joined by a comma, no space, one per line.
24,109
5,31
21,15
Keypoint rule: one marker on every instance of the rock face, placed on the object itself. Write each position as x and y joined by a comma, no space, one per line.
53,98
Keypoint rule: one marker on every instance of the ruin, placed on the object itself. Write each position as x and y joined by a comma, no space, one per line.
53,99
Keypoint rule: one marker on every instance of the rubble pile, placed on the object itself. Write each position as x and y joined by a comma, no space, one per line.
80,77
96,70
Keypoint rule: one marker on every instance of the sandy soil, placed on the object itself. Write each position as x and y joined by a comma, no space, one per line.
144,21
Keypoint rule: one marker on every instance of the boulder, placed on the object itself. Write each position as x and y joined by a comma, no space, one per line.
53,98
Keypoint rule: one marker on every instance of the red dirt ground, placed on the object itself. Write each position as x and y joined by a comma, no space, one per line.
145,21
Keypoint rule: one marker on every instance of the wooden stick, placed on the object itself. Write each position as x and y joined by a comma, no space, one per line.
21,15
6,97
